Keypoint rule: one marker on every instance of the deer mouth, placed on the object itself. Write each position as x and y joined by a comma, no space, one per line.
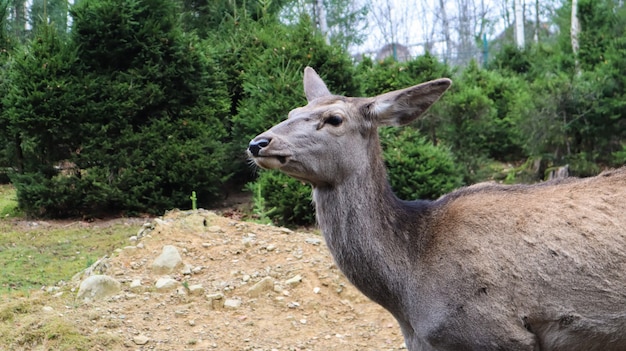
271,161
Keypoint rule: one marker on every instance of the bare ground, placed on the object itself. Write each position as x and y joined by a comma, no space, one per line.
320,311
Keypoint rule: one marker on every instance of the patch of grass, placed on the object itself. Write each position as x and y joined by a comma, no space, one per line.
28,329
33,254
8,202
32,257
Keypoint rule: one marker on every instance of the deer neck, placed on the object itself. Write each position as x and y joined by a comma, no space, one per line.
370,232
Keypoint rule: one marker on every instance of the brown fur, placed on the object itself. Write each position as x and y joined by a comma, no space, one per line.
487,267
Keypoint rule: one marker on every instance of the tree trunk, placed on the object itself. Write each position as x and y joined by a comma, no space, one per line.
575,29
321,19
519,24
446,28
19,154
537,23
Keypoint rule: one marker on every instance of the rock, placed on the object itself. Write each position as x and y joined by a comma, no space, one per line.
47,309
135,284
270,247
216,300
141,339
215,229
265,284
98,267
97,287
166,283
313,241
168,261
186,269
196,289
232,303
295,280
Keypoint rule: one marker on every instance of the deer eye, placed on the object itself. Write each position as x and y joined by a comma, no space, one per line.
334,120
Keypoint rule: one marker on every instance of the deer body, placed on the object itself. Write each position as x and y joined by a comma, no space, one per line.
488,267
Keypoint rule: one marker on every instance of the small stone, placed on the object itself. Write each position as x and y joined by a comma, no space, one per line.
168,260
97,286
313,241
47,309
196,289
265,284
215,229
232,303
295,280
205,245
216,296
141,339
135,284
192,322
166,283
286,230
186,270
133,238
216,300
247,242
270,247
181,313
316,290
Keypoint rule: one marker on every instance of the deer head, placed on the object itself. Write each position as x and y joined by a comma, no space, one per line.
333,137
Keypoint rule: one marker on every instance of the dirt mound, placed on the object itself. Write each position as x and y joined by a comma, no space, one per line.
241,286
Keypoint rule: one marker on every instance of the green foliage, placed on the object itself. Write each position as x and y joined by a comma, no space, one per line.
42,103
134,105
203,16
388,75
282,199
61,196
479,118
8,202
416,168
42,255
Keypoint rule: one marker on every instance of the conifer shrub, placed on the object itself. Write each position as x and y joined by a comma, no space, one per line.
282,200
417,169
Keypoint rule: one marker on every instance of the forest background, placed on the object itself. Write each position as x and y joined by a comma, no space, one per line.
123,107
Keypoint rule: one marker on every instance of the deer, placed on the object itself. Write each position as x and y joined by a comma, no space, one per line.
485,267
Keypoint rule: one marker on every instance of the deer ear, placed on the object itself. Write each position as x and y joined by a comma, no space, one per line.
314,86
403,106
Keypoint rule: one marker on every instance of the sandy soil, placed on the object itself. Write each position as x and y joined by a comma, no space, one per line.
304,302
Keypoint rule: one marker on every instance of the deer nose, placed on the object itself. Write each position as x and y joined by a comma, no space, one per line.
257,144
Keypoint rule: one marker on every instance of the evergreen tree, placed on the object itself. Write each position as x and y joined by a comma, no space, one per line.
155,129
42,103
